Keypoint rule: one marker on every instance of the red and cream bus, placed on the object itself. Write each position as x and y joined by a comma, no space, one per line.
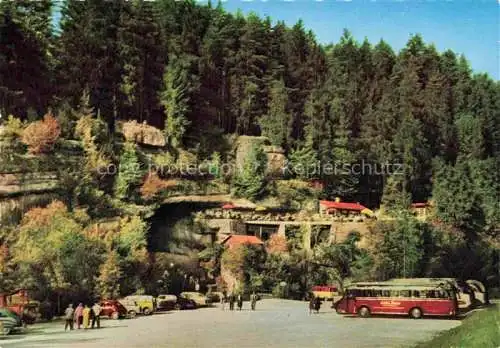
464,293
415,301
325,292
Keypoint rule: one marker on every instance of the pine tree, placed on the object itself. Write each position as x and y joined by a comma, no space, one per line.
24,58
250,181
129,172
276,124
175,101
141,49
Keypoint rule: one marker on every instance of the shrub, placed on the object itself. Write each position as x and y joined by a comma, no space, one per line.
40,136
153,185
13,128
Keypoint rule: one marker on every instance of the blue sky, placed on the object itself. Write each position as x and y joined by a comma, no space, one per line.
470,27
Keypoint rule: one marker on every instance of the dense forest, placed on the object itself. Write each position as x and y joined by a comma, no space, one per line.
200,74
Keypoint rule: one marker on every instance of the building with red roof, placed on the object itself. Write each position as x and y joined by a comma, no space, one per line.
336,207
237,239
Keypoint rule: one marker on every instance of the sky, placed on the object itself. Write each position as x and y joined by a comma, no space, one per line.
469,27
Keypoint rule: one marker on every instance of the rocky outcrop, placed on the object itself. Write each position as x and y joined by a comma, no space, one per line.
142,134
276,159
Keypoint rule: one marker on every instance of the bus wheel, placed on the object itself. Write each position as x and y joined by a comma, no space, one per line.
364,312
146,311
416,313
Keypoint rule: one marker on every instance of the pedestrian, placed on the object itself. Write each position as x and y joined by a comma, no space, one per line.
231,302
317,304
96,308
240,302
79,316
68,317
311,304
86,317
253,300
223,301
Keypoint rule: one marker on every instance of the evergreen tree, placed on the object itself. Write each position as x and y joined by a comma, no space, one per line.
276,124
175,101
25,39
141,48
129,172
250,181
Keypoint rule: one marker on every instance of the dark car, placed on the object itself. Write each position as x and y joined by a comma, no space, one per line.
179,303
113,309
184,303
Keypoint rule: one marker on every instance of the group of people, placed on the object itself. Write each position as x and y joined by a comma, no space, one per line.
82,315
314,304
239,301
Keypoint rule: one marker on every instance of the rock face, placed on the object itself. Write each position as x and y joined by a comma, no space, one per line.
142,134
20,192
276,159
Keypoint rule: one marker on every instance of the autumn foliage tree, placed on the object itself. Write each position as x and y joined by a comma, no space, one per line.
153,185
277,244
41,136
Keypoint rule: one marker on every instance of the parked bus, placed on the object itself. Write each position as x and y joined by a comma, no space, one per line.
464,292
325,292
415,301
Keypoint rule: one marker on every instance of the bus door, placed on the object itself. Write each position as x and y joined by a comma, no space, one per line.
350,299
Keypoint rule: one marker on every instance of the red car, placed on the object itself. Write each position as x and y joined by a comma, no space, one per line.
113,309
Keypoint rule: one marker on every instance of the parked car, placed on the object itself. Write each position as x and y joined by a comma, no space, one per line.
214,296
7,323
184,303
132,307
146,303
165,302
200,299
10,313
113,309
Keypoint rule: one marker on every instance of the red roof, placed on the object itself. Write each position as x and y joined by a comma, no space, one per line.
236,239
420,205
228,206
342,205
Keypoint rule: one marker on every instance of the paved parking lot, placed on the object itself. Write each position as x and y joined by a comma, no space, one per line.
275,323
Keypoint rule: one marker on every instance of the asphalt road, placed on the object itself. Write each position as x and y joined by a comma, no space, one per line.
275,323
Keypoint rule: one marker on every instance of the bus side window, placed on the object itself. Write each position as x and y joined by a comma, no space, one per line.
431,294
415,293
378,293
394,293
386,293
404,293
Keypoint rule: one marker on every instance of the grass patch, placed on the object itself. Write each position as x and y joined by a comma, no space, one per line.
481,329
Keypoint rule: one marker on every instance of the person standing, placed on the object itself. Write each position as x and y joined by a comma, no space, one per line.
86,317
240,302
317,304
68,317
311,304
253,300
96,308
223,301
79,315
231,302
